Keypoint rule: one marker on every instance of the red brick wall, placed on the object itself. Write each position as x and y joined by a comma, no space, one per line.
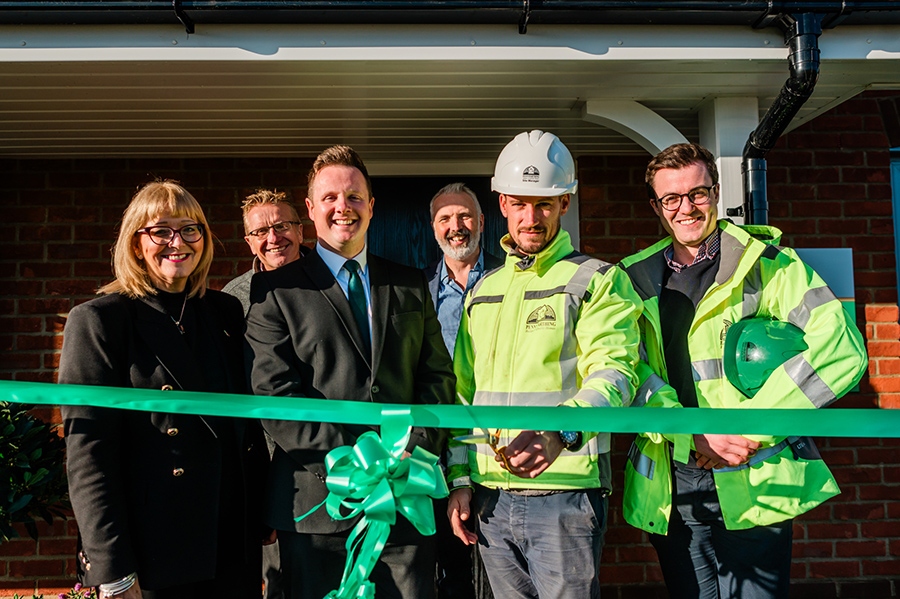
829,187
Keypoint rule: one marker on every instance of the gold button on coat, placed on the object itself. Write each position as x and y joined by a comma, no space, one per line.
178,472
167,387
172,431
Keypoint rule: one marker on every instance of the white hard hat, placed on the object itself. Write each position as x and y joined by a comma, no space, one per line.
535,164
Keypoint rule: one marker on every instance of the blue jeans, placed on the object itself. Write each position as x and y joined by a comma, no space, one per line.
545,547
701,559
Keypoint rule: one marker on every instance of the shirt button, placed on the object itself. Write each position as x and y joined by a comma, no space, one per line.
167,387
178,472
375,389
172,431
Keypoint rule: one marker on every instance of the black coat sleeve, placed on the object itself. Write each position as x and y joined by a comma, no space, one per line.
92,355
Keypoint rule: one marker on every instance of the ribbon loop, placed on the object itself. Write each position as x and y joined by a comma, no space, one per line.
373,480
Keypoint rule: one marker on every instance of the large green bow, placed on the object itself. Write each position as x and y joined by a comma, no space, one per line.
373,480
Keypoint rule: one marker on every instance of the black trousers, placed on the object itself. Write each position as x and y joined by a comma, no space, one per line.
312,565
701,559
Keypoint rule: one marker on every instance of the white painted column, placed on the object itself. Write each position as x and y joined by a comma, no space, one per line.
725,125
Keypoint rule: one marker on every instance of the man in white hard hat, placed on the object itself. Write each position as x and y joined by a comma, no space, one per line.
553,327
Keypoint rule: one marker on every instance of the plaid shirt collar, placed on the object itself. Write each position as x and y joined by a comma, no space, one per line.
708,250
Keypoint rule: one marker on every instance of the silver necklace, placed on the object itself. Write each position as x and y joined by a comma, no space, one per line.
181,316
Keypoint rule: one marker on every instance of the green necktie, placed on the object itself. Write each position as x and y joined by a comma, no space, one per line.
357,296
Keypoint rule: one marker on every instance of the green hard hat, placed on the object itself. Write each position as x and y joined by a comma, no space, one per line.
755,347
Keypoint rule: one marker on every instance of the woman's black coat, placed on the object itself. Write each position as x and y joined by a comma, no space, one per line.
145,486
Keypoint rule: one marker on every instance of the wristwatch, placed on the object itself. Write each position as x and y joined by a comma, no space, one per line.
571,439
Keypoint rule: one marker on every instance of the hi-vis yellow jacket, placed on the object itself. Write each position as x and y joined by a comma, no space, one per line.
555,329
755,279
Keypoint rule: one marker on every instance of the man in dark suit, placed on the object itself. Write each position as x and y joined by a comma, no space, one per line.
457,221
342,324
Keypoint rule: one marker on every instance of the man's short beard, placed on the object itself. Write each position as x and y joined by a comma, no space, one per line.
463,252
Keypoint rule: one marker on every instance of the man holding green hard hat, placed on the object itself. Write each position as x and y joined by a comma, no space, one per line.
731,320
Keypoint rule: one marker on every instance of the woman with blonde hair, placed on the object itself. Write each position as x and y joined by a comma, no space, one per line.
166,504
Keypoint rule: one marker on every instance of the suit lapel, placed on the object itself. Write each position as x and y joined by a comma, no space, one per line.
434,281
325,282
171,350
379,281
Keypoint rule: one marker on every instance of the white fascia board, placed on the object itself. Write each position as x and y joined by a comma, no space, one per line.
860,43
386,43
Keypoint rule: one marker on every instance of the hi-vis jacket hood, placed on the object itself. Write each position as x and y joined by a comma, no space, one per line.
756,279
557,328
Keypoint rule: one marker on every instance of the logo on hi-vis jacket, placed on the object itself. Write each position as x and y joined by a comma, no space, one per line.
531,175
541,318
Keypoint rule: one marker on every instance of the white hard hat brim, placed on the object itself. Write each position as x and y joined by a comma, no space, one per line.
538,192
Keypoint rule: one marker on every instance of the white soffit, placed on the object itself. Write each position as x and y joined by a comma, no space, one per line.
415,96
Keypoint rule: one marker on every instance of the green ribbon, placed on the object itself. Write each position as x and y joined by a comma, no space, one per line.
373,480
736,421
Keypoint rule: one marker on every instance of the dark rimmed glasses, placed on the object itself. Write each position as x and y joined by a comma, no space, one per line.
164,235
280,228
697,196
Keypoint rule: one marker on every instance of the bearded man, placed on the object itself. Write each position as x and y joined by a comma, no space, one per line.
457,221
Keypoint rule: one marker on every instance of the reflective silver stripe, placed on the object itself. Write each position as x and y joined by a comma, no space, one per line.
804,376
653,384
579,282
487,299
522,398
458,455
481,281
760,456
706,370
616,378
568,352
483,299
594,398
752,292
812,299
534,295
462,481
641,463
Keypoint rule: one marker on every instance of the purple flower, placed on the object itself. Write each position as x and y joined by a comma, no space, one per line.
62,596
77,586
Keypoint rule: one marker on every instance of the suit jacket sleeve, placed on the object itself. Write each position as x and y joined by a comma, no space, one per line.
92,354
435,380
276,369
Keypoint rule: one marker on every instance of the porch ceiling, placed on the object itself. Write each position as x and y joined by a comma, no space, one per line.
421,96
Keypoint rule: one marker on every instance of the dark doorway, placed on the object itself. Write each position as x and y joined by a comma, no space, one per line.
401,228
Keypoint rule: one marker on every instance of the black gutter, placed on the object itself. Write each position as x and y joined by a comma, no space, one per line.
802,37
753,13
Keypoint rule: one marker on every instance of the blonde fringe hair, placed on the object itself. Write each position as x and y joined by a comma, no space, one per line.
263,197
150,202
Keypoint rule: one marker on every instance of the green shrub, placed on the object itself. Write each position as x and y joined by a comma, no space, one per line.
32,471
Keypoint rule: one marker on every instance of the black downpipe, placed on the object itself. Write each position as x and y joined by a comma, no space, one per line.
802,37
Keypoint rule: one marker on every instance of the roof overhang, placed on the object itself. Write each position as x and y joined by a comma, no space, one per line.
415,98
